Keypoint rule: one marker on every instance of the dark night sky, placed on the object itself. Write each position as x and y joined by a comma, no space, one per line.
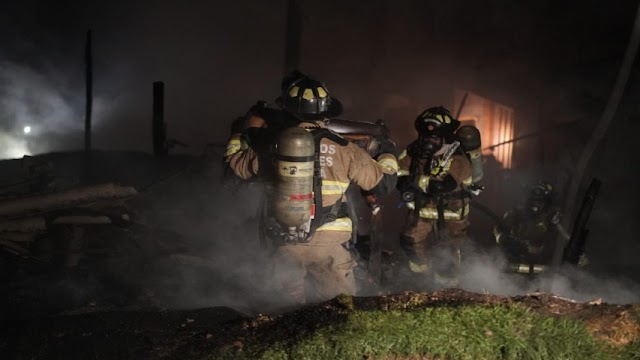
549,60
217,58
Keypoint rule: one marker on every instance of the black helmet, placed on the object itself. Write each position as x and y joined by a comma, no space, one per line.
436,121
308,99
541,190
290,78
540,196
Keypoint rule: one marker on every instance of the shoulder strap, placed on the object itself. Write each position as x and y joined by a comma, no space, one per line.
323,217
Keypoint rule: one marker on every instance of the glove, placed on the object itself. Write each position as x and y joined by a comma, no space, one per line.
237,126
475,189
386,146
259,139
438,187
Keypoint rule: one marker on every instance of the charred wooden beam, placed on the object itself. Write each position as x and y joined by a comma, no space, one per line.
24,225
73,197
82,220
18,237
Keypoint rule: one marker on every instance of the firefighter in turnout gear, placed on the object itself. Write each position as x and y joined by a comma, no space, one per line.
305,217
435,177
527,233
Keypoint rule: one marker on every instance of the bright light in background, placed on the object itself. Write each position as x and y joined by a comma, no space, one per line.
47,106
12,147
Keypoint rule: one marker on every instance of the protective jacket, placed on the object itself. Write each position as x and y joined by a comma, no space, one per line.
340,164
455,204
527,239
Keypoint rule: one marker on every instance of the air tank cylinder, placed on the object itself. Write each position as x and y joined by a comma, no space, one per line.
470,141
293,190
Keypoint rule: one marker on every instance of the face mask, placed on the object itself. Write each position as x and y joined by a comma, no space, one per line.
428,146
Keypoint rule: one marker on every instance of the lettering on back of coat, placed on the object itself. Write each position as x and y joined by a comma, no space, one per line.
326,160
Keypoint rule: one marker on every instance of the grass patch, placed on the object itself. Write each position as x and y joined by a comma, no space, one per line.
466,332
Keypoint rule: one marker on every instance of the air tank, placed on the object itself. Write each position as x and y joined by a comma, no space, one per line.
293,190
470,141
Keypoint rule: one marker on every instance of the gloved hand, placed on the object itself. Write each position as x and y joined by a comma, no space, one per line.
258,138
583,261
438,187
386,146
475,189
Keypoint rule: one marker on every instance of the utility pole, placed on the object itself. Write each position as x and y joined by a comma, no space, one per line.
293,36
88,62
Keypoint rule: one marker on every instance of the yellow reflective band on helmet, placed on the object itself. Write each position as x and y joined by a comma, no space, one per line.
233,146
294,91
439,118
389,164
403,154
403,173
321,93
308,94
330,187
340,224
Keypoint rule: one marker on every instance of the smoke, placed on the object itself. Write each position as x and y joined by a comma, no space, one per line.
485,272
49,103
12,146
213,253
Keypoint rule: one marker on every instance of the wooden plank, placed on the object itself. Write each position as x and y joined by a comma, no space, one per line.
47,202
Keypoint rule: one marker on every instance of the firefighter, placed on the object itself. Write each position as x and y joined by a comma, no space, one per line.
435,177
527,233
305,217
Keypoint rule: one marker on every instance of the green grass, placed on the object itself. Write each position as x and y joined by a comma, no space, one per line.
468,332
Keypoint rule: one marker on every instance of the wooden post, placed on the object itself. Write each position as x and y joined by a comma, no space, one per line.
292,34
88,61
158,125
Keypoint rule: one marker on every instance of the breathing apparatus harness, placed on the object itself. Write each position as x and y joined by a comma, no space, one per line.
274,229
338,209
440,192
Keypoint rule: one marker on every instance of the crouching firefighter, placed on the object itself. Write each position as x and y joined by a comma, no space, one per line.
304,216
434,180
